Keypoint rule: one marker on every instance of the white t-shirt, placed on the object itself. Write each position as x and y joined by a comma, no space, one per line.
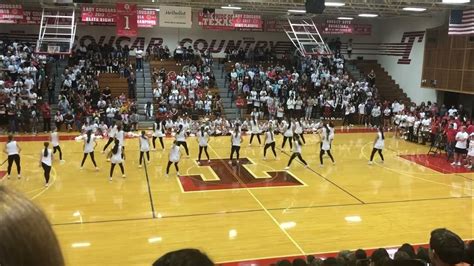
181,135
120,135
470,151
175,154
203,138
117,157
296,147
236,139
89,146
461,140
12,148
270,137
380,142
55,139
48,159
326,140
158,130
144,144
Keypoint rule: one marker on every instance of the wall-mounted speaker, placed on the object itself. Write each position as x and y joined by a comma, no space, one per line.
315,6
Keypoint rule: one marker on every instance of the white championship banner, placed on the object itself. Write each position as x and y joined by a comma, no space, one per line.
175,17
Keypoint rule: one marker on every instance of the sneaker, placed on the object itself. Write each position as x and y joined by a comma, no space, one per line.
453,163
209,161
110,178
458,164
139,166
124,176
264,158
321,165
81,168
103,152
97,168
370,163
8,176
333,163
286,168
198,163
46,185
178,174
305,166
19,176
230,162
382,161
237,161
108,159
148,162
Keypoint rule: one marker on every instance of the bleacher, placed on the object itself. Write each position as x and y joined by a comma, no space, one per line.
116,84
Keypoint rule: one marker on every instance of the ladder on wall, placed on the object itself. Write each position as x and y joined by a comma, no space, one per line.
306,38
57,31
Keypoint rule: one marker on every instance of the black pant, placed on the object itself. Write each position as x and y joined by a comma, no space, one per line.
108,143
321,153
235,149
14,158
258,137
147,156
47,171
302,137
112,167
179,143
284,141
175,166
294,155
57,148
268,145
200,152
374,150
47,124
92,158
161,142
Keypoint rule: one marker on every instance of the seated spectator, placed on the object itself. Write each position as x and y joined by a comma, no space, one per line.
184,257
446,248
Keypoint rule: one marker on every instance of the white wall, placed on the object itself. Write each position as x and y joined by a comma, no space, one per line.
408,76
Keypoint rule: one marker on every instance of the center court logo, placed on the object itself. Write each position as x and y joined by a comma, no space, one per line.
236,177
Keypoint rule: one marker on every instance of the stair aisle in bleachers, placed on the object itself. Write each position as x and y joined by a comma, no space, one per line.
144,94
227,101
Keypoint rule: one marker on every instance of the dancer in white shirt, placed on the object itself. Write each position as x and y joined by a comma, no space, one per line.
12,149
55,143
89,146
46,161
203,140
379,144
269,142
116,156
236,141
296,152
158,132
326,139
144,144
255,131
174,157
181,138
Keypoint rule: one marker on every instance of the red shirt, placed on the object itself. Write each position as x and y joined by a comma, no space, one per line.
451,134
470,129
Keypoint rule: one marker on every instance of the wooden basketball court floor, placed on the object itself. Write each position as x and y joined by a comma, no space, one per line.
255,211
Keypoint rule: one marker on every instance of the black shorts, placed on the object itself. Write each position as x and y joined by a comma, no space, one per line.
460,151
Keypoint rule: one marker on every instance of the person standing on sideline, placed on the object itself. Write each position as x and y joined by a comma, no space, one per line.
116,157
470,152
236,141
287,135
112,133
120,135
181,138
269,142
158,132
296,152
255,131
460,149
174,157
89,146
46,161
203,140
378,145
12,149
55,143
325,144
144,148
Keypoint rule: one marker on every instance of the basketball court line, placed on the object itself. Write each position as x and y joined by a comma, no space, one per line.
362,149
328,180
149,187
266,211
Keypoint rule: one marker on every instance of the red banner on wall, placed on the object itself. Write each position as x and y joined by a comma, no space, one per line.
247,21
9,13
98,14
342,27
213,21
126,19
146,18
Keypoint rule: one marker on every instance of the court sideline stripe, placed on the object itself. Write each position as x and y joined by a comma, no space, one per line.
149,188
328,180
259,210
263,207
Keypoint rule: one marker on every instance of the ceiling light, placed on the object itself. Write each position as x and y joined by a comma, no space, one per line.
345,18
334,4
156,9
455,1
231,7
414,9
368,15
296,11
